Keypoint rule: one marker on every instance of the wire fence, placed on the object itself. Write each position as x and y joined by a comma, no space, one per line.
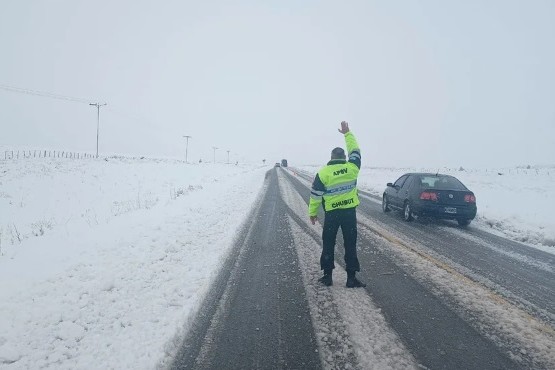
24,154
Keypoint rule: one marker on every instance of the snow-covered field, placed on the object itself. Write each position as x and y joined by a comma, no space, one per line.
103,262
515,202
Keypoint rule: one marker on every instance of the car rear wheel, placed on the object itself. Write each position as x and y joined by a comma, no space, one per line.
385,204
463,222
407,212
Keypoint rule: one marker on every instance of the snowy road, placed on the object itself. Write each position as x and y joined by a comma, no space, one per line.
438,296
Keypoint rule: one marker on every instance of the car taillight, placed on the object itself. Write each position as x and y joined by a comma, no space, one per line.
469,198
428,195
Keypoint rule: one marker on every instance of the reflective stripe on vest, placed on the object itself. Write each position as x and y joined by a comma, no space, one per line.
342,188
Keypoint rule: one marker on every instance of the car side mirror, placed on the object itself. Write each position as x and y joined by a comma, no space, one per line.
389,185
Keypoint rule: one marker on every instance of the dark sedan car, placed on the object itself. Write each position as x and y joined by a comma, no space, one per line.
430,195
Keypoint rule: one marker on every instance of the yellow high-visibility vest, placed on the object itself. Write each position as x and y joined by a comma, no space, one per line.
335,184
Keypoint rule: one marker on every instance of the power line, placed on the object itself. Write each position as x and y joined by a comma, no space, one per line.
50,95
128,116
43,94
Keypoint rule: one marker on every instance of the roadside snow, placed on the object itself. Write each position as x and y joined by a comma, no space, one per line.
104,262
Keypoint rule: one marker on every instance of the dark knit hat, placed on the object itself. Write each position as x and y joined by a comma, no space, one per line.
338,153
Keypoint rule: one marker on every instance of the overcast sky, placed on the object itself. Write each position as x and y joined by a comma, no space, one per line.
431,83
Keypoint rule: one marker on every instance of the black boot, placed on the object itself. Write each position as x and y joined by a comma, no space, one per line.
353,282
326,279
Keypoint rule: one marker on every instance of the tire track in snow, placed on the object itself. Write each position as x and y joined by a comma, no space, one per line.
528,341
527,286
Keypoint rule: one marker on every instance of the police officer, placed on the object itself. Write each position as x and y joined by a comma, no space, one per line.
335,188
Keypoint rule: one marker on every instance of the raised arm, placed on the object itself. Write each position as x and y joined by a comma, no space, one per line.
352,145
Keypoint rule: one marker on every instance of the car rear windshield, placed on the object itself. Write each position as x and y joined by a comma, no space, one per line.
441,183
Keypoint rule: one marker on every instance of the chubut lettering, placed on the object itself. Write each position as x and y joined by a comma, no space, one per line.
342,203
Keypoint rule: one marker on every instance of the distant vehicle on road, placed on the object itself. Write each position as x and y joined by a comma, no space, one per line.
284,163
277,164
430,195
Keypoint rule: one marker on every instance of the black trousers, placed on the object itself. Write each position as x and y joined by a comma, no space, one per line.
347,220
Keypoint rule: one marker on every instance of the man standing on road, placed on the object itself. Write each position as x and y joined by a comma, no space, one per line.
335,187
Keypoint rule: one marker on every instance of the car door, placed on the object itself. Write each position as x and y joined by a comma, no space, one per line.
406,189
395,194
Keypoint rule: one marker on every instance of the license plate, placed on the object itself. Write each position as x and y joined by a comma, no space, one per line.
450,210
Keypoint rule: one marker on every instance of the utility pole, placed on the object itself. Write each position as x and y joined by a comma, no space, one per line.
186,146
97,105
214,153
228,156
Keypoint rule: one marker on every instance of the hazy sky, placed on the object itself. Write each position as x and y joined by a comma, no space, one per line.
468,83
